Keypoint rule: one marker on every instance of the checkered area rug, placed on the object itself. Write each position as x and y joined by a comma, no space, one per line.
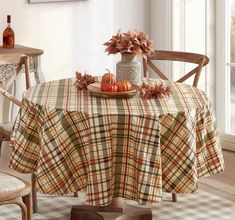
200,205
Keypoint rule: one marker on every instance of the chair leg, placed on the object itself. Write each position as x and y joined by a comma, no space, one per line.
23,209
75,194
34,193
20,204
27,201
174,197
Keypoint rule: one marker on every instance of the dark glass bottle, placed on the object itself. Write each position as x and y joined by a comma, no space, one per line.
8,35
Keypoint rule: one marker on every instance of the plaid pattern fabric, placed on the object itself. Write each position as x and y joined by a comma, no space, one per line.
129,148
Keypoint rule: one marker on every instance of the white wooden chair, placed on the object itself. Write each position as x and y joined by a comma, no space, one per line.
7,79
16,191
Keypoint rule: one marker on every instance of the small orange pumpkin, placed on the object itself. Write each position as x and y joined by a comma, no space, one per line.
108,78
128,84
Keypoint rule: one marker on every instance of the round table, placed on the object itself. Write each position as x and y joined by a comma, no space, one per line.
131,148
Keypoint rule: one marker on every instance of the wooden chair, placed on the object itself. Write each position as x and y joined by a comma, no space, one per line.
200,60
7,79
11,189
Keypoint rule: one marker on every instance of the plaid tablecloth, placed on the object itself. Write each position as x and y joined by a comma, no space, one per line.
131,148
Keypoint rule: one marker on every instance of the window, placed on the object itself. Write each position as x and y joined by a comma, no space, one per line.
225,71
231,66
188,37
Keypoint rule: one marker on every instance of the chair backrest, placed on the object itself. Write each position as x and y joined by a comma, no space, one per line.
200,60
10,67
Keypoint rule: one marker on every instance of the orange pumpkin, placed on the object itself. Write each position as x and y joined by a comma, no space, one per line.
122,87
108,78
106,87
128,84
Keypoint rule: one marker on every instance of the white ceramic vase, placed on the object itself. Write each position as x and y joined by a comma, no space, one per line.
129,68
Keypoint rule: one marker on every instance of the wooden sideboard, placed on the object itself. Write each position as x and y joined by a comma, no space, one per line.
34,59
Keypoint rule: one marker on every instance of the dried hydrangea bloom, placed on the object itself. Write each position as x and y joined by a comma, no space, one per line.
82,81
130,42
159,90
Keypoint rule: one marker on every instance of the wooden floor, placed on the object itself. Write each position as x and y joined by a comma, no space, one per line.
226,180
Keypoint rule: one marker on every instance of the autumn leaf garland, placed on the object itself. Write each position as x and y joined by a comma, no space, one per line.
82,81
159,90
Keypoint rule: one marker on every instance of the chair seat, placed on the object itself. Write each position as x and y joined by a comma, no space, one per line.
9,183
7,126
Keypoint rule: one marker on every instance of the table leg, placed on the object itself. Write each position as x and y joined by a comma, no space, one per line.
117,205
133,211
139,215
174,197
75,194
34,193
87,212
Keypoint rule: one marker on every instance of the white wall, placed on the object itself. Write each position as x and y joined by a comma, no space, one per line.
72,33
131,14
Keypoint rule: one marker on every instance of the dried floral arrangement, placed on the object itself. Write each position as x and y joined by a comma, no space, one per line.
82,81
133,41
159,90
